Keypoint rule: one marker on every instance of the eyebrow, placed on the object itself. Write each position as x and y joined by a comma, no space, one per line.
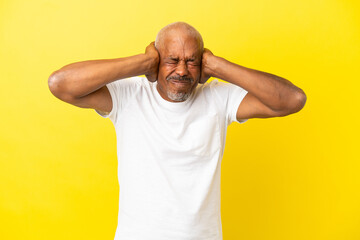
177,58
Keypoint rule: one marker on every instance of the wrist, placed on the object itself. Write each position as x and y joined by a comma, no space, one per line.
151,62
212,65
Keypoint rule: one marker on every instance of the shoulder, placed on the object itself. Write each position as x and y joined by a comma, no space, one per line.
206,91
214,87
215,84
221,87
208,85
138,80
128,83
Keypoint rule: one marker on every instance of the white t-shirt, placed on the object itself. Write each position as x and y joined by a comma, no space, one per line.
169,159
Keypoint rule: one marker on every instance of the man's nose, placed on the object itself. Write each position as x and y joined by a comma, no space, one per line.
182,69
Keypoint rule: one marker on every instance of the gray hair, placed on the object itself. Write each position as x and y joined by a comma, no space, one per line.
190,30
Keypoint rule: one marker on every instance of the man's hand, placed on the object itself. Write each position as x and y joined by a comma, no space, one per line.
206,64
152,53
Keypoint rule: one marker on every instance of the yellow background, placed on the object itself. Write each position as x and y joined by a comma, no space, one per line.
294,177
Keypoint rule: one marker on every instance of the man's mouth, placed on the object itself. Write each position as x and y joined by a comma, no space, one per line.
181,80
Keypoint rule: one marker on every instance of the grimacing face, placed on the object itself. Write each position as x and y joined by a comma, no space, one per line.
179,67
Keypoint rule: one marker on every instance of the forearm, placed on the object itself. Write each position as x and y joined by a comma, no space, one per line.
273,91
81,78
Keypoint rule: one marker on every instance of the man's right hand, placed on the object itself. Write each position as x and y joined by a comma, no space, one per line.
153,54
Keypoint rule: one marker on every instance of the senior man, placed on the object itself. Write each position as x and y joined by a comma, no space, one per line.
170,129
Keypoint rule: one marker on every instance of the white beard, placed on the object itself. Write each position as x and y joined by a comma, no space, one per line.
178,97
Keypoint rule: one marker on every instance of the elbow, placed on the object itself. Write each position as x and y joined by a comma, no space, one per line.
54,83
57,85
293,104
298,102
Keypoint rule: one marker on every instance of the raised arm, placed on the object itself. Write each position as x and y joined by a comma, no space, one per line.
83,83
268,95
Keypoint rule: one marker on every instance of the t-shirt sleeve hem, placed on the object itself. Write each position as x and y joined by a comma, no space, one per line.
110,115
236,106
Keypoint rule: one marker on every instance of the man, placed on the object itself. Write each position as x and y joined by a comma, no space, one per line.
170,129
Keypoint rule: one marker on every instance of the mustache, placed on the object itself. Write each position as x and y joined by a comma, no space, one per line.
179,78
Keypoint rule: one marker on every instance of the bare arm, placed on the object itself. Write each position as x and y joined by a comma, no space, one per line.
83,83
268,95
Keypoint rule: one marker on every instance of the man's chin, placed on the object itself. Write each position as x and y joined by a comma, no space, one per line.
178,96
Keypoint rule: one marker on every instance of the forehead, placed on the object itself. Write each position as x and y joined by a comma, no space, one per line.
180,45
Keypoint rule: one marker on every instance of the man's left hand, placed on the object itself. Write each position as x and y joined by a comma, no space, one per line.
207,61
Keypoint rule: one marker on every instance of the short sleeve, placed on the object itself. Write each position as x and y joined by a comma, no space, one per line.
229,96
121,91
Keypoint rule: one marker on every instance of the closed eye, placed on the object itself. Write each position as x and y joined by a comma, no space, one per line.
193,62
172,61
